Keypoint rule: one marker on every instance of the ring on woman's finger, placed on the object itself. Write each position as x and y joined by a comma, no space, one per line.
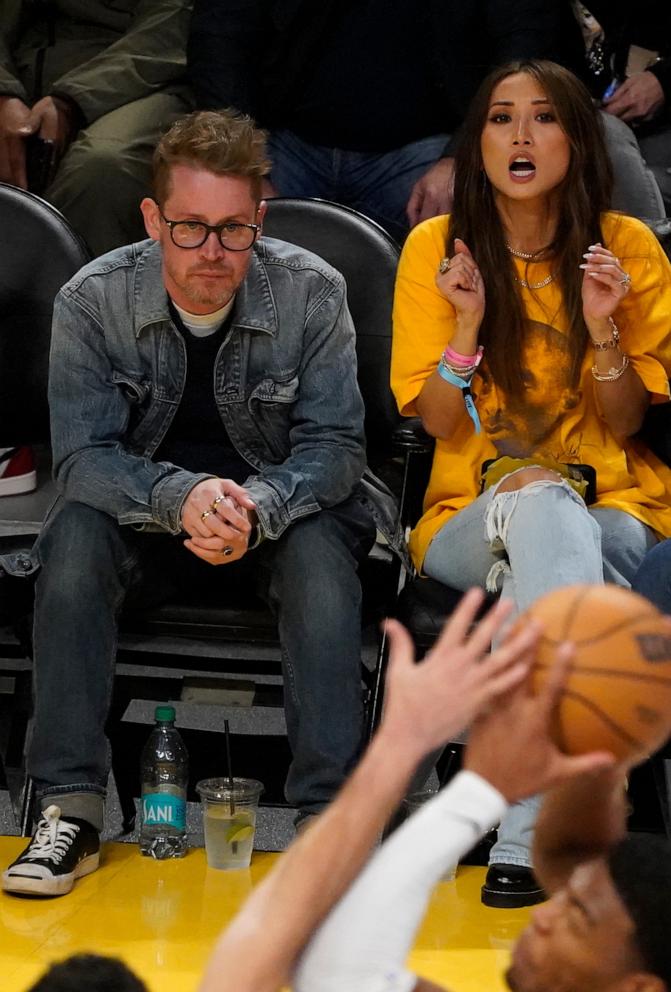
228,550
625,280
444,265
216,502
205,514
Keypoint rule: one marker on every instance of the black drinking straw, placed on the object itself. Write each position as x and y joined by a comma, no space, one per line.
229,768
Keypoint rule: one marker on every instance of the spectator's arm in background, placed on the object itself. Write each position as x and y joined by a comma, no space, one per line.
223,53
15,124
643,95
151,54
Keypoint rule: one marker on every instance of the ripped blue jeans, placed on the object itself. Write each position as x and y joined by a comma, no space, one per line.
523,544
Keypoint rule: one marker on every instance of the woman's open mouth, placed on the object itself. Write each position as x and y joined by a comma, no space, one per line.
521,169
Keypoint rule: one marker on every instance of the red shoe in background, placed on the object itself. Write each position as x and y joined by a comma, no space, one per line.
17,471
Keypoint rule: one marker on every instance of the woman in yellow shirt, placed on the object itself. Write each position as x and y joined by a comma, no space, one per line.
533,328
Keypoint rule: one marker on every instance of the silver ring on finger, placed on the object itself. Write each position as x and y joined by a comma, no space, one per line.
227,551
625,280
444,265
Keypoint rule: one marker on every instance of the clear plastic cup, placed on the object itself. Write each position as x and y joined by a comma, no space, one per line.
229,820
412,803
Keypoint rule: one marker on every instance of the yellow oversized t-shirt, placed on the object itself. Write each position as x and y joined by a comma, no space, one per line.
551,418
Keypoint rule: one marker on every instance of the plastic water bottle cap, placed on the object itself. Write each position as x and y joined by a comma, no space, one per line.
164,714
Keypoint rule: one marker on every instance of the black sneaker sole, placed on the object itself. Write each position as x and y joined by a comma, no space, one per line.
509,900
57,885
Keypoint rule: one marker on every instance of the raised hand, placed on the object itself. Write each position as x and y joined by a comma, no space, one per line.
460,282
605,283
427,703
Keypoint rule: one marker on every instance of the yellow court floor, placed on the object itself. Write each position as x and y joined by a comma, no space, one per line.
162,918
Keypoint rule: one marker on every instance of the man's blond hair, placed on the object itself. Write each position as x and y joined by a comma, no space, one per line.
222,141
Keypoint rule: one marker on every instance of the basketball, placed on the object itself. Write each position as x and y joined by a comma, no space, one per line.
617,696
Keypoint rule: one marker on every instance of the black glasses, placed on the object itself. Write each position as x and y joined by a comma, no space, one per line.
194,233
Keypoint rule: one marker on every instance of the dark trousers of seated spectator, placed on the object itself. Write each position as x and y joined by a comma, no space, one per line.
377,184
106,171
91,567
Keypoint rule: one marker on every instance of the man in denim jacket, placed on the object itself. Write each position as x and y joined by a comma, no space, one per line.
205,411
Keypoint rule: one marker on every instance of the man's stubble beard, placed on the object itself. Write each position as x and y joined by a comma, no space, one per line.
215,300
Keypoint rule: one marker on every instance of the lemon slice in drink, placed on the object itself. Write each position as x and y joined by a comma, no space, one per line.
238,832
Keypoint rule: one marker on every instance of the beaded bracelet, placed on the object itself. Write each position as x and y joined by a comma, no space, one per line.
612,342
464,371
460,360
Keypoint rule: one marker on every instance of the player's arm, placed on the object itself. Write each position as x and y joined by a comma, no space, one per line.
424,705
580,820
366,938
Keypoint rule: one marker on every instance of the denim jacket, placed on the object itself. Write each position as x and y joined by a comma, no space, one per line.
285,386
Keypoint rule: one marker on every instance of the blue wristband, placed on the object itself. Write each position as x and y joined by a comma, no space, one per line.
465,386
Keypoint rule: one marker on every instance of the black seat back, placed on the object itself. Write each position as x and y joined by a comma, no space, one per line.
39,252
367,257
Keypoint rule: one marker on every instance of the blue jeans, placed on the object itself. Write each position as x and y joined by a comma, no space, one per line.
91,566
525,543
377,184
653,578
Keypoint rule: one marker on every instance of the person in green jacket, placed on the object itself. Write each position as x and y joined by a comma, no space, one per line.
101,80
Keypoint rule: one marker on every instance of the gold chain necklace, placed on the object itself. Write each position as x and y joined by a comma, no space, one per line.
526,255
535,285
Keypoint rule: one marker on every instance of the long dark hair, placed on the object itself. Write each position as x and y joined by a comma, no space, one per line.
583,195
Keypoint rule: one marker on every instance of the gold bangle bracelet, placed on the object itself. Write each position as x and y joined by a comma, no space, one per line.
612,374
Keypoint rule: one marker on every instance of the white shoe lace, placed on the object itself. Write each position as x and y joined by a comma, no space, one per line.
53,837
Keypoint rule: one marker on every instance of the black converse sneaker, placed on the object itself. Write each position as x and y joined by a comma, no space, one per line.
60,851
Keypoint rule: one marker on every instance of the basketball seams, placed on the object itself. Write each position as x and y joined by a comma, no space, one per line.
593,638
604,717
611,673
572,612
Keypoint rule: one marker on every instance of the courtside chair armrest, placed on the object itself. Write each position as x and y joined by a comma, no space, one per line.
662,230
410,437
414,447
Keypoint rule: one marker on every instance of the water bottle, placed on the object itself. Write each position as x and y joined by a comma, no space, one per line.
165,774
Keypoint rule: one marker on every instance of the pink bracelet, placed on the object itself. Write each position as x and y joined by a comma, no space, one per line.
453,356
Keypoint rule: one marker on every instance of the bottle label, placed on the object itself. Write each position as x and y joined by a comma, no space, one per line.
160,808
